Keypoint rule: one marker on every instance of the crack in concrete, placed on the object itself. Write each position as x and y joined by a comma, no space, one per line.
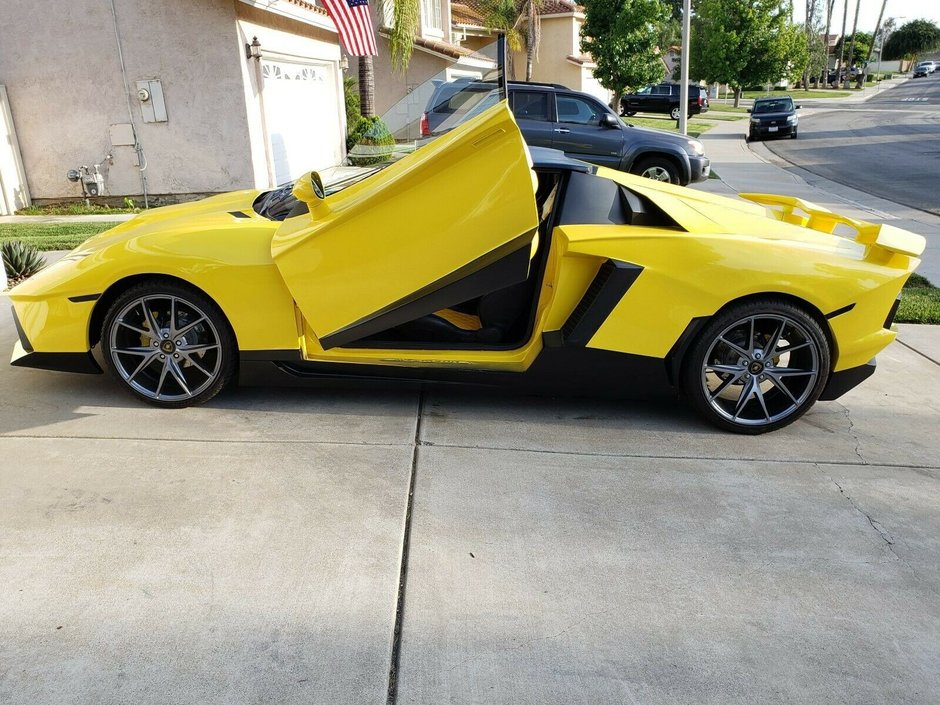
883,534
858,441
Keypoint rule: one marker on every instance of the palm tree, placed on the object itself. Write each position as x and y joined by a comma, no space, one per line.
519,21
406,15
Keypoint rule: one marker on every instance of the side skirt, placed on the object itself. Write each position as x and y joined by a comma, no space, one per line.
561,371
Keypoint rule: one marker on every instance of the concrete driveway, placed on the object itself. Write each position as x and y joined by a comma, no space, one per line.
250,551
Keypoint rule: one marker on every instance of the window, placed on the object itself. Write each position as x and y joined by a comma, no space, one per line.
661,90
645,90
530,105
387,8
572,109
431,16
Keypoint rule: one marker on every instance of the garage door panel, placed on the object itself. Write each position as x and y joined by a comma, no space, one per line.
302,115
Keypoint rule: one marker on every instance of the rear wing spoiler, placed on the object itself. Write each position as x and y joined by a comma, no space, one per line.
815,217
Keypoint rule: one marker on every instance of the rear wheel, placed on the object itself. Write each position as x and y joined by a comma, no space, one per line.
674,113
757,366
658,169
169,344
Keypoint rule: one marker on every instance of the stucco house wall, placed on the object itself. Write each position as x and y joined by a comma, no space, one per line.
61,65
62,70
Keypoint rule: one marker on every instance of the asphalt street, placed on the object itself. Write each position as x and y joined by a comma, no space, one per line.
888,146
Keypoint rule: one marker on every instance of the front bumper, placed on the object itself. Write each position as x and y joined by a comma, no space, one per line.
700,168
25,356
764,131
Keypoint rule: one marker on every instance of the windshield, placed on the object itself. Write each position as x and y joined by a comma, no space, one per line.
782,105
412,115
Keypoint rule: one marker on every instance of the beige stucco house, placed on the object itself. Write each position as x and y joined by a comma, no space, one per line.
187,97
559,59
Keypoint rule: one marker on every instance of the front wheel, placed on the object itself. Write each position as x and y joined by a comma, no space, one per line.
657,169
170,345
793,135
757,366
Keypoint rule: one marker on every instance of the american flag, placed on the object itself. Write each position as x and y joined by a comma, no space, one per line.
354,22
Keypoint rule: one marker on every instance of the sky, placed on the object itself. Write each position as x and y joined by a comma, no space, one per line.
868,13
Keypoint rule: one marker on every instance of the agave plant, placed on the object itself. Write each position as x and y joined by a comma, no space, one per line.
20,261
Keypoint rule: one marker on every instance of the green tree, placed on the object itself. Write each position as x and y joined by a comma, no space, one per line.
861,48
745,42
914,38
621,36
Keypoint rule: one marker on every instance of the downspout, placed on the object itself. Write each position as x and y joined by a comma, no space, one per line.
141,159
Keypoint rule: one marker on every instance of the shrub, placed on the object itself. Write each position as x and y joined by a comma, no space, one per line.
369,142
20,261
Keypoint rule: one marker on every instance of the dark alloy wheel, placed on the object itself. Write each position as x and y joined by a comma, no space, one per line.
169,344
757,366
658,169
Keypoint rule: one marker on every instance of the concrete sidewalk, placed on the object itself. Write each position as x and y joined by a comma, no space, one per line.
743,167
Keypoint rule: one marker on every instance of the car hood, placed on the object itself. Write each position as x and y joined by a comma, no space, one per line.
207,214
773,116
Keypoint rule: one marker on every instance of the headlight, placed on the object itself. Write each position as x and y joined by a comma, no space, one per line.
791,119
755,121
696,147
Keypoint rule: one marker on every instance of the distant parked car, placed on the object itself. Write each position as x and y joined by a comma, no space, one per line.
925,68
664,98
773,117
583,127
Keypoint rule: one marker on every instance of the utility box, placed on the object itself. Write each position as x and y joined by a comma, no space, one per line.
150,97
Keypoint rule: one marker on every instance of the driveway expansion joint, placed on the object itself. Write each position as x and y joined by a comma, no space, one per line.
395,660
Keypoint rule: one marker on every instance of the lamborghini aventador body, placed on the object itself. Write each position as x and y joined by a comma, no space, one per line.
472,260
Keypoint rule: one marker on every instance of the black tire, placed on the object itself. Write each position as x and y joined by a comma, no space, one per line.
675,113
793,135
658,169
168,344
630,113
734,383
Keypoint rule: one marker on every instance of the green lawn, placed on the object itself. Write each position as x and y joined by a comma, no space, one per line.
52,236
797,94
695,127
920,302
78,209
715,107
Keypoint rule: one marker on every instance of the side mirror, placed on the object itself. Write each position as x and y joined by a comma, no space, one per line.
608,120
798,106
309,189
749,110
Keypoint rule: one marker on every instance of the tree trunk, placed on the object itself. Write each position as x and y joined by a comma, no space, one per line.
366,87
848,74
530,41
824,75
737,96
877,29
845,17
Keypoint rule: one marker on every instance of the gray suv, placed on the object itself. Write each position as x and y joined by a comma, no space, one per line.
583,127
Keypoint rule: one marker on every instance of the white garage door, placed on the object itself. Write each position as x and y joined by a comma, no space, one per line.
302,114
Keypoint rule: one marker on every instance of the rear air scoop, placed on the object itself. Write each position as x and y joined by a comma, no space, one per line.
815,217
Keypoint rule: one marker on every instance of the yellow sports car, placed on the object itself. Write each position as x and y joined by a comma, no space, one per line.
475,259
